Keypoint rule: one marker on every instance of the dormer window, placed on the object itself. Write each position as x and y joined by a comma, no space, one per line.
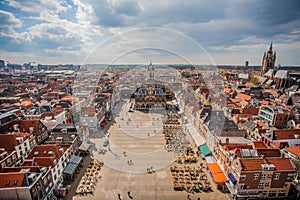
36,153
50,152
15,182
7,182
45,152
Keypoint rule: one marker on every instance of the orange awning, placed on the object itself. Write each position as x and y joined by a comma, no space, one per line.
217,173
219,177
214,167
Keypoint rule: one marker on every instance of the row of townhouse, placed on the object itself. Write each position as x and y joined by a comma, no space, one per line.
255,171
52,154
26,182
22,136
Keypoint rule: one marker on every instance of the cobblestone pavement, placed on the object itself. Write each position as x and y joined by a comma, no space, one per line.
139,135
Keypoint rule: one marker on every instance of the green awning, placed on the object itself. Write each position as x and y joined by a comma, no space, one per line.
72,165
204,150
75,159
70,168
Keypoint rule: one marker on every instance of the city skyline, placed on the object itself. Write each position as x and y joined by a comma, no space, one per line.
227,32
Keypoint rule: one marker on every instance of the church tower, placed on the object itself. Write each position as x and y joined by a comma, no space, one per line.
268,61
151,71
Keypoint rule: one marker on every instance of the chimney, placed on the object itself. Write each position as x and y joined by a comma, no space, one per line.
227,140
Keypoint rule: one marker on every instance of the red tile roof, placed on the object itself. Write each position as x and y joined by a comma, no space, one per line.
294,150
269,152
248,84
227,90
252,111
50,150
9,180
281,134
252,164
40,161
258,145
228,147
265,102
272,92
243,96
8,142
25,124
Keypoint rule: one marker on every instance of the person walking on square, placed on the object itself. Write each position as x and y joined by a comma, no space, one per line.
129,195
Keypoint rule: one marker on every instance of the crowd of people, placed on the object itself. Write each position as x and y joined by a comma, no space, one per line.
174,136
190,178
91,176
189,175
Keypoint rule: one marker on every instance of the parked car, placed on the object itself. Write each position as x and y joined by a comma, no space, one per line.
105,143
102,124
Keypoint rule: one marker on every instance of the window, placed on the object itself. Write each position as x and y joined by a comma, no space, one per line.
261,185
255,176
267,184
263,176
269,175
242,186
243,177
14,157
276,176
8,161
265,193
282,194
3,164
272,194
15,182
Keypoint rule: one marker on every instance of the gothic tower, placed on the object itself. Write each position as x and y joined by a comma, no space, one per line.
151,71
268,61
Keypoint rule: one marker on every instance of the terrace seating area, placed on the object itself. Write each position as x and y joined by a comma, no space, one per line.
174,136
188,157
88,182
191,179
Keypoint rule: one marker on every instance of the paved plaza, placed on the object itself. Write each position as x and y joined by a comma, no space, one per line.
136,144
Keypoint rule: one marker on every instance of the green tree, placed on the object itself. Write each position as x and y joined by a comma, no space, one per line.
254,80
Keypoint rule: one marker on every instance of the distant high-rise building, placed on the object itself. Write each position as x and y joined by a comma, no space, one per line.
246,65
268,61
2,64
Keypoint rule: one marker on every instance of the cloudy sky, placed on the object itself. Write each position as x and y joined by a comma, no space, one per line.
164,31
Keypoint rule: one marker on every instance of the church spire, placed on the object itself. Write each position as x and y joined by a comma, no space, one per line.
270,49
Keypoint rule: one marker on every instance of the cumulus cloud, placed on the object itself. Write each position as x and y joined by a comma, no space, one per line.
77,26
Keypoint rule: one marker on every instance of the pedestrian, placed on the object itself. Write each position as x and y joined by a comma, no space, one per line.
129,195
124,153
119,196
131,162
189,197
128,162
152,169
